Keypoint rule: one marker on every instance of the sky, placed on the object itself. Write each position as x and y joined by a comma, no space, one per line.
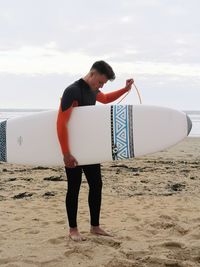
45,45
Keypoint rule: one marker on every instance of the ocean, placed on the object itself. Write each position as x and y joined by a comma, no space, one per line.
11,113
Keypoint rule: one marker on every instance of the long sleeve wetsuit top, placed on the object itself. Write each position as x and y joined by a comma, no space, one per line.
79,94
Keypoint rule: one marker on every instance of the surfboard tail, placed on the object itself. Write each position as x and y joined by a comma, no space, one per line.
3,141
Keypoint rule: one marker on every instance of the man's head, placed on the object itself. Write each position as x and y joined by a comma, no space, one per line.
99,74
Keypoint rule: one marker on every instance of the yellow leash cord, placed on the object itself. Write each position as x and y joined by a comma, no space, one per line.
138,93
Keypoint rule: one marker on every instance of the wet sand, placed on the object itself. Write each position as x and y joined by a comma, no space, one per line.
151,205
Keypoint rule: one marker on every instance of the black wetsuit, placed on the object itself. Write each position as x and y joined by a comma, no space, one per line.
81,93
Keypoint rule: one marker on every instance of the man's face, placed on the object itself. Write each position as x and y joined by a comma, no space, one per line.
97,80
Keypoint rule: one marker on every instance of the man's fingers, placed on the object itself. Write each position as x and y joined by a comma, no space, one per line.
70,161
71,164
130,81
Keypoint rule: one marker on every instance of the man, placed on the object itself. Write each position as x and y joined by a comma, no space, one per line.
83,92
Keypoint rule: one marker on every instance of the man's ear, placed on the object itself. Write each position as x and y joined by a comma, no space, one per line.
92,72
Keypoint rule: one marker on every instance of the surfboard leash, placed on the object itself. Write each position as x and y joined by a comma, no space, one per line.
138,93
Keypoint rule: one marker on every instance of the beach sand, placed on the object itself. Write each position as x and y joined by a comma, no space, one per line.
151,205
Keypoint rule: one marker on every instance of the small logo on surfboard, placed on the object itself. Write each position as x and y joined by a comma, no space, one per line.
20,140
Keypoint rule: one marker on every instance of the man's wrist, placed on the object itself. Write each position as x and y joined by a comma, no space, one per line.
66,154
126,88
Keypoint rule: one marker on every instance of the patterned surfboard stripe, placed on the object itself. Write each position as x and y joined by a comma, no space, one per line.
131,145
112,134
122,132
3,141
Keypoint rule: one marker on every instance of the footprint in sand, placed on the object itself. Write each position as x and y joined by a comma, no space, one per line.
8,260
131,254
152,261
18,218
118,262
2,237
107,241
33,232
45,224
61,222
85,252
173,245
58,240
18,229
69,252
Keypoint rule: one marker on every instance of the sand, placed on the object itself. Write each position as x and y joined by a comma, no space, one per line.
151,205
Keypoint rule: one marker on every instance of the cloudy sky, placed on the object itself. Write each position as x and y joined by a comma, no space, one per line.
47,44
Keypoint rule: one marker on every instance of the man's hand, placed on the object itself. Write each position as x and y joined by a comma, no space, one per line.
70,161
129,84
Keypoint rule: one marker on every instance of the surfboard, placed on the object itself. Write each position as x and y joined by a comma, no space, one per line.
97,134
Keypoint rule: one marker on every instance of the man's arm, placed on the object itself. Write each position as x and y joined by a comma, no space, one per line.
62,120
64,113
110,97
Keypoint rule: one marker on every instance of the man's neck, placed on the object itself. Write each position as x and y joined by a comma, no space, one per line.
86,79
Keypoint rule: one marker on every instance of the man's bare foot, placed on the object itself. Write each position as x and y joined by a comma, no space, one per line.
75,235
96,230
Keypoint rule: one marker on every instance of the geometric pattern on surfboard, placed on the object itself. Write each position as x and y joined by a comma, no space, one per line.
3,141
122,132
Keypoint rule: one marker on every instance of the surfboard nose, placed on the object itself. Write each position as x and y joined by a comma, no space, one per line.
189,123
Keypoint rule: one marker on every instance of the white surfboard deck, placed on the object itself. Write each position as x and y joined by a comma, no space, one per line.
96,134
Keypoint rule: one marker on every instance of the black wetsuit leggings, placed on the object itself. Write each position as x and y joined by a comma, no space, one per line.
74,177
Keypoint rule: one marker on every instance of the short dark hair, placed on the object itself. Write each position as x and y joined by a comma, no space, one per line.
104,68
